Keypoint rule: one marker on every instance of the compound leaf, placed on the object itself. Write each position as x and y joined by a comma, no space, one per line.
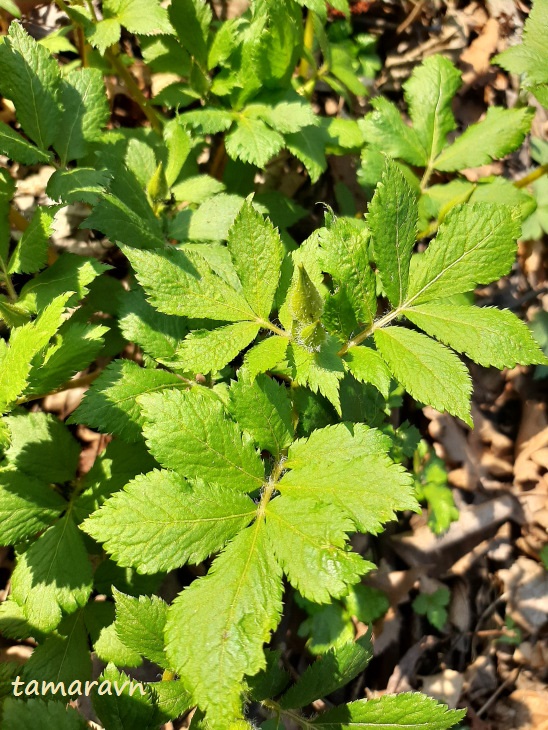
207,351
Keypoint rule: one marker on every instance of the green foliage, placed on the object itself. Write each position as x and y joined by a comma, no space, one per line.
243,380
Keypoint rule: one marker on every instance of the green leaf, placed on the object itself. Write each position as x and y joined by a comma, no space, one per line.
502,131
111,406
76,345
392,220
99,618
252,141
309,540
432,605
384,129
120,223
196,189
266,355
112,469
44,582
7,190
257,252
156,333
129,706
530,57
18,715
17,148
31,252
269,682
429,93
210,222
263,409
190,433
208,121
285,116
63,657
208,351
406,711
70,273
140,624
344,254
353,473
429,372
490,337
170,699
27,506
143,17
42,447
367,366
231,611
104,34
82,185
25,343
30,78
10,7
330,672
179,146
367,604
308,146
86,112
476,244
191,20
176,524
189,286
319,370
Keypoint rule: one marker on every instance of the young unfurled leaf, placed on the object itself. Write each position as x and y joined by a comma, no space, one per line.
361,480
392,220
257,252
408,711
475,245
305,302
263,408
159,522
490,337
309,540
111,406
231,611
190,433
425,368
344,254
31,78
332,671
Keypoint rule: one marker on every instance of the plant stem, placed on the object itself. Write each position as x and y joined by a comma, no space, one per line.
265,324
358,339
308,43
7,281
135,92
532,177
275,707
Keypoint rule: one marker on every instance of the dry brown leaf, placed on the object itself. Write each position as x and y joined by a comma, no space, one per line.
526,584
478,54
531,709
445,687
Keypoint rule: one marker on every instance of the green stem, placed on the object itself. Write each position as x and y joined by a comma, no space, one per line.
265,324
7,281
308,43
358,339
532,177
299,719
